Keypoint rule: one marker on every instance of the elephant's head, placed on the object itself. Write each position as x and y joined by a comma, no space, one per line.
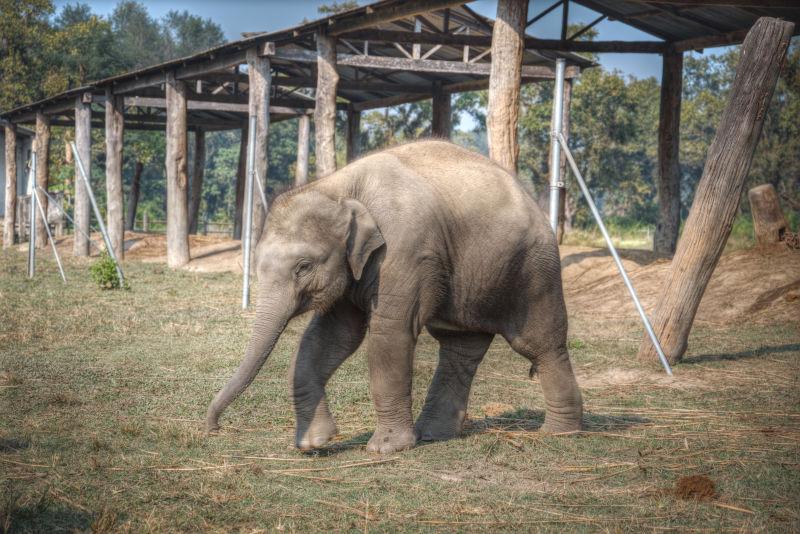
314,247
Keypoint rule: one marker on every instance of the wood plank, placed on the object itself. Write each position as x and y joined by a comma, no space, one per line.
462,39
353,134
260,79
115,128
402,10
325,112
42,171
502,112
177,173
198,173
720,188
9,219
669,172
411,65
301,168
441,122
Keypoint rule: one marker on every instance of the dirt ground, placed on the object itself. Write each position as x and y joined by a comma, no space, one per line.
103,395
754,285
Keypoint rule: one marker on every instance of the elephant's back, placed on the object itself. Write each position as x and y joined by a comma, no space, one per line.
472,186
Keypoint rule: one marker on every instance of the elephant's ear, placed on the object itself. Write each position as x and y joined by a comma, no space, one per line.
363,236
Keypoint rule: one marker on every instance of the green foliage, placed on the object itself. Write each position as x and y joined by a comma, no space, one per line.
104,273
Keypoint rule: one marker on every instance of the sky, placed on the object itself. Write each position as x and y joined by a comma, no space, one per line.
237,16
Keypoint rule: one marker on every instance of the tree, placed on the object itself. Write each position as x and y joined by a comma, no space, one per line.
22,69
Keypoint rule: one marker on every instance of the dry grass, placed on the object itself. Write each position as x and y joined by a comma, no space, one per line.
102,395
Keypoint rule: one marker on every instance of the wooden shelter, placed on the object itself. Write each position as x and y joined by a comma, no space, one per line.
386,53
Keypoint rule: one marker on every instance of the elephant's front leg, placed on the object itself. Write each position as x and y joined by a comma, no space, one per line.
445,408
328,341
391,354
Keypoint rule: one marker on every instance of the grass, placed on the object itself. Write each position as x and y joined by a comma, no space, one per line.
626,234
102,396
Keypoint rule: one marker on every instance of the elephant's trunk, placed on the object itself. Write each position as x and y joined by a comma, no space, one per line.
272,314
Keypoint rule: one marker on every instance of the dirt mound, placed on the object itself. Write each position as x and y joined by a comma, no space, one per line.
207,253
761,285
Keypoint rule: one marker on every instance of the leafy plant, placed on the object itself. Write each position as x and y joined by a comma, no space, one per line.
104,273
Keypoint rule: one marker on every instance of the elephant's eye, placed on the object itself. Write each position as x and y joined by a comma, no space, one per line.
302,268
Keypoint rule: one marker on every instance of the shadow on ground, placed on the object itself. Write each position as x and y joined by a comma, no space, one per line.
744,354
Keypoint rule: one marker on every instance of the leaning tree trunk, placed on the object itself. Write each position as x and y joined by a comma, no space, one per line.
133,196
720,188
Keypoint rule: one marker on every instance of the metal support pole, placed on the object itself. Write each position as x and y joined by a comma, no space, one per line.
555,149
100,223
585,190
261,192
49,235
248,212
32,218
70,219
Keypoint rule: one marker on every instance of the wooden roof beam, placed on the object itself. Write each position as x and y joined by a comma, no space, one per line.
403,10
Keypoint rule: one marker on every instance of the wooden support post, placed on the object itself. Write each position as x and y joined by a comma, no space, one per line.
115,125
769,223
11,185
133,196
325,110
259,83
508,42
42,172
198,172
441,123
238,212
353,134
562,194
669,172
719,190
83,142
301,169
177,173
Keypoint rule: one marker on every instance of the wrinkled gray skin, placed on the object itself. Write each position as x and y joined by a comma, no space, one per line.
424,235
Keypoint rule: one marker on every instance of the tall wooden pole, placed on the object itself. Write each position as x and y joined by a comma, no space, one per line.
669,172
508,43
720,188
303,131
353,134
177,173
83,142
241,165
259,81
10,216
115,108
133,196
42,171
198,173
325,110
441,122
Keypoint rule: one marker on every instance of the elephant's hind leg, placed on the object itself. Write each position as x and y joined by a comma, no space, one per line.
562,398
445,407
327,342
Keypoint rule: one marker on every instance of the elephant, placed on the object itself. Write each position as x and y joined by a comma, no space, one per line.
425,234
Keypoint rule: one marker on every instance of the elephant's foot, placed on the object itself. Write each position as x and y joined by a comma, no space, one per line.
440,425
388,440
316,434
557,424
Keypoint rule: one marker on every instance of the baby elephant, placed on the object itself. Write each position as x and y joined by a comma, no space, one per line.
421,235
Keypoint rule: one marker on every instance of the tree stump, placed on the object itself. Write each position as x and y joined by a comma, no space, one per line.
769,224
